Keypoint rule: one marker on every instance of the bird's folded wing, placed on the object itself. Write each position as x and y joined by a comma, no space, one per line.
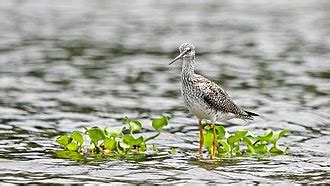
216,97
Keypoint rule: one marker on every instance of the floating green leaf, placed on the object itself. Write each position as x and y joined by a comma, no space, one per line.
73,146
135,126
76,135
143,147
240,133
277,136
63,140
129,139
247,141
266,136
208,140
124,145
260,148
96,134
284,132
232,139
159,123
110,143
225,145
276,150
221,132
112,133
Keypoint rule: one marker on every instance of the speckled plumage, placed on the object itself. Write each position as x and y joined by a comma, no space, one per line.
204,98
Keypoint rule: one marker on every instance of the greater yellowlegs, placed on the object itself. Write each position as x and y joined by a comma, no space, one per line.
204,98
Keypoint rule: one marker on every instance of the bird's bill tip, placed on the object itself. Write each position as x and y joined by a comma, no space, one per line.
174,60
178,57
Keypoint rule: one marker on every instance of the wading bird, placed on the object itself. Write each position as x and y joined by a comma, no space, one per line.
204,98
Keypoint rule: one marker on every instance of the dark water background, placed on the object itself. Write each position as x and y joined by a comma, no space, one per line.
68,64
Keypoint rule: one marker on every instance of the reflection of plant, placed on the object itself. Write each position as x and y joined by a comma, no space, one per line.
112,141
230,144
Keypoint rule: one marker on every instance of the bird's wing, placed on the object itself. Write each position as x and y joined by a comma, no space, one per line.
217,98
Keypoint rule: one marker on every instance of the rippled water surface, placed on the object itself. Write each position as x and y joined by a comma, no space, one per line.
68,64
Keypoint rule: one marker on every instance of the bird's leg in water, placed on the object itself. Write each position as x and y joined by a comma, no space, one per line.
201,137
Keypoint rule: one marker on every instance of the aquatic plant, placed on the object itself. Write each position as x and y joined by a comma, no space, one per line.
128,141
112,141
243,142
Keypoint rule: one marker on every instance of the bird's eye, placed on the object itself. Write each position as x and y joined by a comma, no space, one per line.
189,50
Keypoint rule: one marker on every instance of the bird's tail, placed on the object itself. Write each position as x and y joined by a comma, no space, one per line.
249,115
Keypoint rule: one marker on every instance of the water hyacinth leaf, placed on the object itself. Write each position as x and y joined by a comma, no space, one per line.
250,149
284,132
232,139
91,147
110,143
225,145
159,123
274,138
96,134
73,146
241,133
247,141
266,136
63,140
124,145
76,135
221,132
143,147
276,150
137,141
260,148
208,140
112,133
126,130
252,139
129,139
135,126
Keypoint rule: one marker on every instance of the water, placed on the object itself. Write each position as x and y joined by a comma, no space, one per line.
64,65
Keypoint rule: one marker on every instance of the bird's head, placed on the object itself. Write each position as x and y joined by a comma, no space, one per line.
187,51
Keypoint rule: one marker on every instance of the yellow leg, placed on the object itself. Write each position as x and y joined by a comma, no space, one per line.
214,142
201,137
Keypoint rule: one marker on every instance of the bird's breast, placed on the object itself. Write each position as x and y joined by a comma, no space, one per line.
195,103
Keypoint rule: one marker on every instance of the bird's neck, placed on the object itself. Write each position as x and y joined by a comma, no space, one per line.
188,67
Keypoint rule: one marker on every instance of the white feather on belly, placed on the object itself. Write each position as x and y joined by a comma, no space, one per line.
200,110
225,116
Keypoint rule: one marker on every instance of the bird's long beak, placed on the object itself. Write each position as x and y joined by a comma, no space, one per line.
178,57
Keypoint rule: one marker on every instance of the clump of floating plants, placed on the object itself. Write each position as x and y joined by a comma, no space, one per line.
243,142
109,141
128,140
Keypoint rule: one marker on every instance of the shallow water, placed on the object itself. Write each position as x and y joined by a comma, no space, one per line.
67,65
